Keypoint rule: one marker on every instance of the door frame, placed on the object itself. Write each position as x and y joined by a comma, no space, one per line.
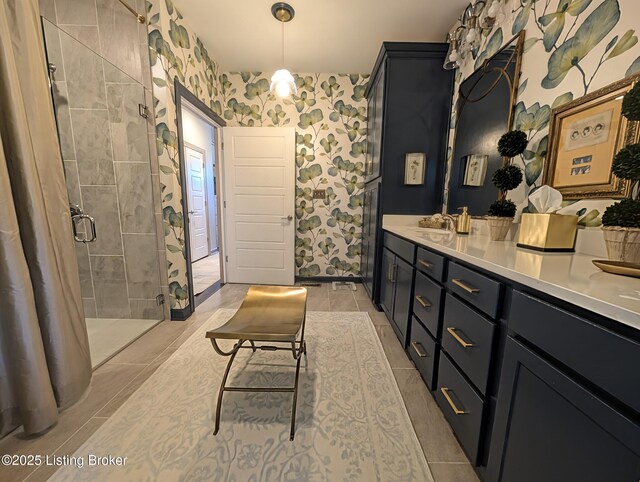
184,95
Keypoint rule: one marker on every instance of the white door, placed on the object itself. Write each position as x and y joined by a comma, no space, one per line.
259,204
198,228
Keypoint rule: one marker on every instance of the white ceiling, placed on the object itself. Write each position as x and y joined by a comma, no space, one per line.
334,36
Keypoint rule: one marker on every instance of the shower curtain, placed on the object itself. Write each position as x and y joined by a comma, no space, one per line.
44,351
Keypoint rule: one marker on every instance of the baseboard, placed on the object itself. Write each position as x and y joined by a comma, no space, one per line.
327,279
201,297
181,314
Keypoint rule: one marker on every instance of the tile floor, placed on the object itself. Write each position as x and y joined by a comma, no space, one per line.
206,272
119,377
107,336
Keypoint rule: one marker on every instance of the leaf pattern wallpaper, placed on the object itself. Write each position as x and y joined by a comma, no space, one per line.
328,114
176,53
572,47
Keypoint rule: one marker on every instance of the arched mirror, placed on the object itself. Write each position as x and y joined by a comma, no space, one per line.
485,106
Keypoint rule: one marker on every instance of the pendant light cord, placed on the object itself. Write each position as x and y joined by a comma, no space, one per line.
282,44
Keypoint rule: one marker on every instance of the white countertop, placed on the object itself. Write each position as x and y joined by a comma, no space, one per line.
569,276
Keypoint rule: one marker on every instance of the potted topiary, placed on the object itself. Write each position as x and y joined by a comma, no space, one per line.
621,221
507,178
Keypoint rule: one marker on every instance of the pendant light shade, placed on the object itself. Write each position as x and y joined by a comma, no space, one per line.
283,84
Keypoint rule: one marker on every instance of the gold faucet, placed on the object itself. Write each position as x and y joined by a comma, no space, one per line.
450,222
460,223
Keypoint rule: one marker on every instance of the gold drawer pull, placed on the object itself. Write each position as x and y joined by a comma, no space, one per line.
419,349
456,410
424,263
423,301
465,344
465,286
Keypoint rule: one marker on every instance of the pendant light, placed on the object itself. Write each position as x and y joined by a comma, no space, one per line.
282,82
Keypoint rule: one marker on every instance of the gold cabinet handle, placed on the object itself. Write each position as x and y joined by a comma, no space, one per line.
424,263
423,301
465,286
419,349
452,332
456,410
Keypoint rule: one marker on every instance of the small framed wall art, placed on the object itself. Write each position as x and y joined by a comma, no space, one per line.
414,168
585,136
475,170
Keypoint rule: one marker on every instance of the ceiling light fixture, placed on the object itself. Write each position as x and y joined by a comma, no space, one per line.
282,81
476,22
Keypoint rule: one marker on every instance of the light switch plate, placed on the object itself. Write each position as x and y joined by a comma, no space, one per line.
319,193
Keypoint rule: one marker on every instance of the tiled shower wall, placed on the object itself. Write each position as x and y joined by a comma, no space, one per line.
102,75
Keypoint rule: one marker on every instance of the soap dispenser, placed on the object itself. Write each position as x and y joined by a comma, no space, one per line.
463,222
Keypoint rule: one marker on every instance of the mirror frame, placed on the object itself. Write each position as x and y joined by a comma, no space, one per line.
513,85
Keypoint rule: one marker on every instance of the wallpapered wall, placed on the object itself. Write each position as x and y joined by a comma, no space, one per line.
175,52
328,113
572,47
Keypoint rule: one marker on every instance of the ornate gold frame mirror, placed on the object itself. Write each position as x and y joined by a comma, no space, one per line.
585,136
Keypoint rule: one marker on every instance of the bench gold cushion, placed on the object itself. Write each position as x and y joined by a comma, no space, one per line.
268,313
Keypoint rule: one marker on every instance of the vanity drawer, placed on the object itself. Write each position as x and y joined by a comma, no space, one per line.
423,350
468,339
461,405
605,358
430,263
402,248
426,303
479,290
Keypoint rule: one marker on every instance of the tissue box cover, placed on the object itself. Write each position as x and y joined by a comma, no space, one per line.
548,232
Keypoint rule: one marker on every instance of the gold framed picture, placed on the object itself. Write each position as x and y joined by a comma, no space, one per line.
414,167
585,136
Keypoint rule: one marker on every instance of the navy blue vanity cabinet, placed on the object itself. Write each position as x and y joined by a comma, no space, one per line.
397,285
423,350
387,287
566,403
469,332
427,302
409,101
534,388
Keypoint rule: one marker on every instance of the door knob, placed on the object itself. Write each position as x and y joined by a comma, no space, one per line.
191,212
288,218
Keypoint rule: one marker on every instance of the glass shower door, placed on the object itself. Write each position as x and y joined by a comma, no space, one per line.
105,147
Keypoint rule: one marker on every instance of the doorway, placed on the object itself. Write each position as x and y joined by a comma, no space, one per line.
199,134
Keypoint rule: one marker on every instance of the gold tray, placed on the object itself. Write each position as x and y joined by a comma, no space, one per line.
618,267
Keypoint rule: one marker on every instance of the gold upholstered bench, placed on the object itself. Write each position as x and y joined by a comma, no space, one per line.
268,314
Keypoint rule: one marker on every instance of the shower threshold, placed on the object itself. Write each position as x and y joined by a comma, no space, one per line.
109,336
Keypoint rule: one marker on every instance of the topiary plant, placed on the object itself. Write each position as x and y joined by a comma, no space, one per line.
625,214
503,208
507,177
626,165
512,144
631,104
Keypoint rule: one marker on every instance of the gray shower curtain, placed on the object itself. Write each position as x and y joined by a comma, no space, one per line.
44,351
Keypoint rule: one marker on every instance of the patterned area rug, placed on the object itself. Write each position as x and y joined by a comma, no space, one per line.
351,421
